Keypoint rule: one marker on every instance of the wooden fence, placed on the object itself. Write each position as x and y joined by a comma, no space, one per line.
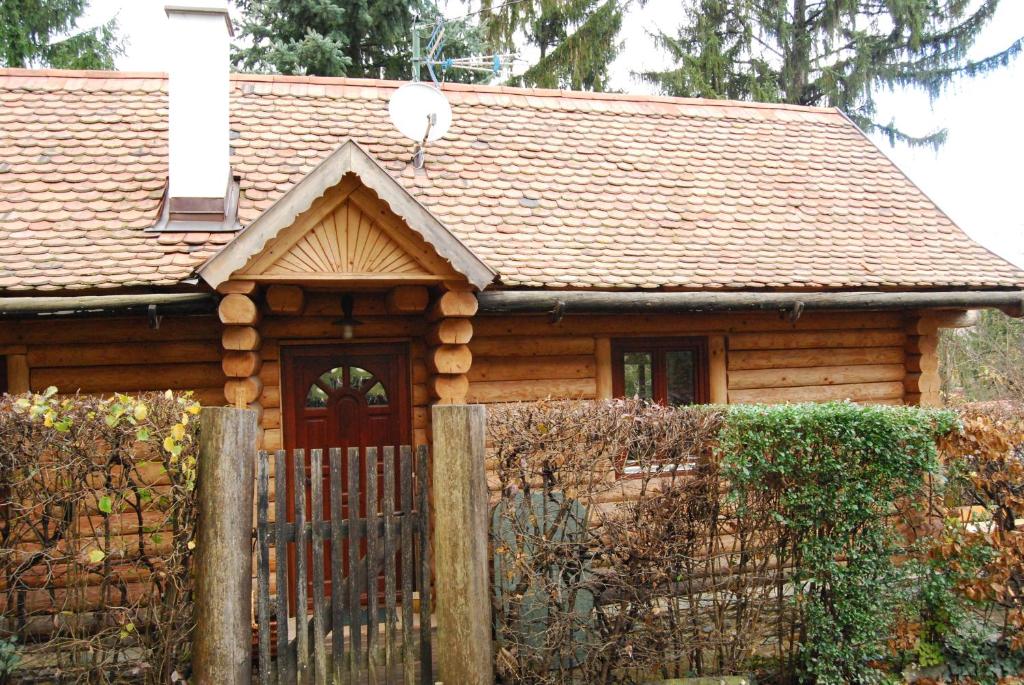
352,568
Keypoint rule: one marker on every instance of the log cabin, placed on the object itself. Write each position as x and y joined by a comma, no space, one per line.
271,242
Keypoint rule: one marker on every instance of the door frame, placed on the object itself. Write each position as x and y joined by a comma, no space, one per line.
289,349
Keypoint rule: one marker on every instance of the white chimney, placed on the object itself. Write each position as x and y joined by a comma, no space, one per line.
199,135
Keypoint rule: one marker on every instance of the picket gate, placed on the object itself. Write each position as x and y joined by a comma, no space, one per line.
375,625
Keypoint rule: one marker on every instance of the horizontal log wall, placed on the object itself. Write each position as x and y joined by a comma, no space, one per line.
766,358
757,357
121,354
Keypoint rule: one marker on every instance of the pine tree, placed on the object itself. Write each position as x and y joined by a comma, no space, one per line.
44,33
833,53
576,39
359,38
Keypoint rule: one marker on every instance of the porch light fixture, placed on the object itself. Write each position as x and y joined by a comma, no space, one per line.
347,322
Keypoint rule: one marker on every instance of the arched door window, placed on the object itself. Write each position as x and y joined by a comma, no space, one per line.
346,380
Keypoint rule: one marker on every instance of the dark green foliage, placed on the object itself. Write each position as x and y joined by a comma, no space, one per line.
984,362
712,56
839,469
973,655
43,33
361,38
577,39
833,53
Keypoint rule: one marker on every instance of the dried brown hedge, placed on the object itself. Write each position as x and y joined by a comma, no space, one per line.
653,573
986,466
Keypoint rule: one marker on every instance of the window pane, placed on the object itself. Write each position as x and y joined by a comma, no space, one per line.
316,397
358,377
376,395
638,369
333,378
680,377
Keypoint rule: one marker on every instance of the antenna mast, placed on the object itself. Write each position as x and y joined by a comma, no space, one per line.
488,64
416,57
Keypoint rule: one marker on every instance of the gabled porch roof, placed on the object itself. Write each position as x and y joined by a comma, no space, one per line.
337,180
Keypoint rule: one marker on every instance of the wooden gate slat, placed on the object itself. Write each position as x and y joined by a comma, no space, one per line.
389,563
301,600
338,591
263,570
285,660
408,566
371,565
423,518
396,524
317,510
354,604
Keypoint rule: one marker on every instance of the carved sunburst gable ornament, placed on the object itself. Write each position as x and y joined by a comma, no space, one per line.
347,221
347,241
349,234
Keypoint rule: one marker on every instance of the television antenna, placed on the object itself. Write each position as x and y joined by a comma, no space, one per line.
419,110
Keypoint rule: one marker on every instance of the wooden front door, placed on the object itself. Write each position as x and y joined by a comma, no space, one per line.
351,395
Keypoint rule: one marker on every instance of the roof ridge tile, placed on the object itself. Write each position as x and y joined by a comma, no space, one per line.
57,79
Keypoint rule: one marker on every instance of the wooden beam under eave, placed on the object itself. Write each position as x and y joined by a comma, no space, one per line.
453,304
237,287
238,310
929,322
285,299
356,280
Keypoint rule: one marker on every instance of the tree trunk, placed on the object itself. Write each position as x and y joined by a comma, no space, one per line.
797,57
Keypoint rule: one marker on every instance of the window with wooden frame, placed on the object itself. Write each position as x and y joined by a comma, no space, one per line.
670,371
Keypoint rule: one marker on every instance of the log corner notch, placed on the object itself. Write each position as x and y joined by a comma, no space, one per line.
241,361
922,385
448,355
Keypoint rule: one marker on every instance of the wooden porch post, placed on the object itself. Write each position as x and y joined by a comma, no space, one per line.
222,642
460,545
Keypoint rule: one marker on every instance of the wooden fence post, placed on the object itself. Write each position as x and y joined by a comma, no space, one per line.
222,642
460,546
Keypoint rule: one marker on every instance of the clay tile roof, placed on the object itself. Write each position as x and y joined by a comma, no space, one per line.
551,189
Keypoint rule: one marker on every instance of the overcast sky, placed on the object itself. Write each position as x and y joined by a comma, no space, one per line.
976,177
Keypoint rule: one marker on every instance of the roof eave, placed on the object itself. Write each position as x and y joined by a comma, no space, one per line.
593,302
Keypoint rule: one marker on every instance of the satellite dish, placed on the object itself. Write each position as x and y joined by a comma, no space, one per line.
420,112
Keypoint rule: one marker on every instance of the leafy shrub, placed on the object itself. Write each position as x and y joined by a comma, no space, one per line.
97,516
840,471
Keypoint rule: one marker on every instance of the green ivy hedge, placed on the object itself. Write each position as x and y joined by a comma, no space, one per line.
839,471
